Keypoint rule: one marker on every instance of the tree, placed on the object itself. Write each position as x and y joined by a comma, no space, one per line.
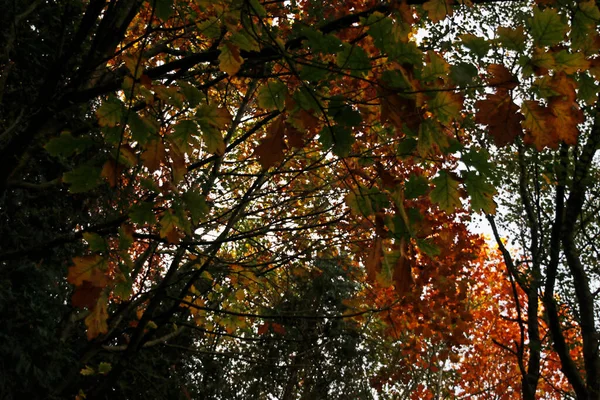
190,172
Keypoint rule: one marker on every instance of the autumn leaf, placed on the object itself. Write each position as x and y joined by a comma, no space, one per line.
373,262
88,268
437,10
500,77
500,114
547,27
445,193
96,321
169,223
481,193
110,172
230,60
154,155
446,106
270,150
86,295
110,112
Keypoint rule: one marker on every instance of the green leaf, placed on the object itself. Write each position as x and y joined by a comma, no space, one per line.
192,94
408,53
213,139
463,73
445,193
244,41
272,95
66,145
110,112
479,46
588,89
431,139
183,133
141,128
83,178
355,59
257,8
415,186
512,38
436,68
196,205
481,193
320,43
142,213
210,27
95,241
339,137
478,159
547,27
163,8
427,247
313,73
104,368
570,63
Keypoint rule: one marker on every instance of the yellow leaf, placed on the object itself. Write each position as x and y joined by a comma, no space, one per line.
230,60
88,268
96,321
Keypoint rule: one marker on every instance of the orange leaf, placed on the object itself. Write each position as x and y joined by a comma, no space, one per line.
88,268
154,155
96,321
110,172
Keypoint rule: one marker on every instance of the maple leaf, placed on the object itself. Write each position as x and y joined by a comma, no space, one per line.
168,227
437,10
547,27
270,150
88,268
230,60
481,193
211,114
109,172
373,263
96,320
403,279
86,295
400,111
500,114
446,106
154,155
445,193
500,77
110,112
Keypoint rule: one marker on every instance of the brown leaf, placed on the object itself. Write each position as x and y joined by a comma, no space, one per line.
373,264
270,150
86,295
500,77
154,155
399,111
403,279
500,114
294,137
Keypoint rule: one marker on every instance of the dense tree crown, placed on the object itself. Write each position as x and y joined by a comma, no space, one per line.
272,199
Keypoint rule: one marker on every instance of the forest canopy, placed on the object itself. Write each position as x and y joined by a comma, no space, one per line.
243,199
